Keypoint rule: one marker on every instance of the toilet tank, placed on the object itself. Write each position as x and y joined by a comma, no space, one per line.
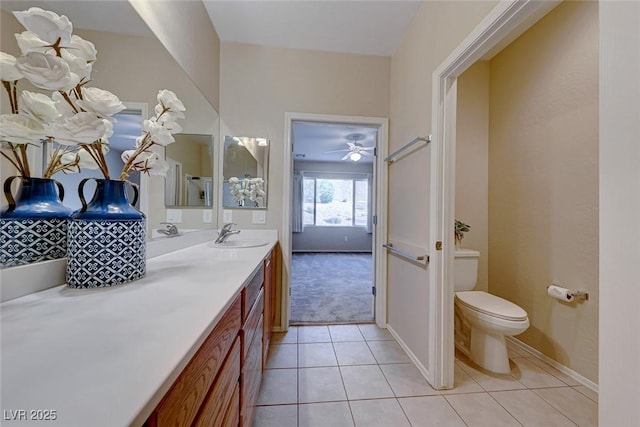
465,269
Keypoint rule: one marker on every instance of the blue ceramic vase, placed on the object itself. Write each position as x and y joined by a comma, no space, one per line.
33,226
107,238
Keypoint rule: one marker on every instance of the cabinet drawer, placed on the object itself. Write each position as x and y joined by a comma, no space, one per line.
182,402
250,291
214,408
232,416
250,379
251,325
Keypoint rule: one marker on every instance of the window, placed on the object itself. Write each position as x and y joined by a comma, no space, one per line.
335,202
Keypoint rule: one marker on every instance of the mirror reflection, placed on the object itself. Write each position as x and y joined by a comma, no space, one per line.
189,181
122,69
245,172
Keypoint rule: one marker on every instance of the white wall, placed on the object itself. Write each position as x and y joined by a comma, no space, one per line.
436,30
619,213
185,29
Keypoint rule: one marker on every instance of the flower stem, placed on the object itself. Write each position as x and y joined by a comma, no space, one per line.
144,145
11,91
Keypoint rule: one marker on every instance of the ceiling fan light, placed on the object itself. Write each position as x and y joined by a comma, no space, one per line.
355,156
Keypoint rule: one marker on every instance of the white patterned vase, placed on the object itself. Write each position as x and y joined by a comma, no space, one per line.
33,226
106,239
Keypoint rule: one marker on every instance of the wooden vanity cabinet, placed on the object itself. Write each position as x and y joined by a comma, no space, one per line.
220,384
201,377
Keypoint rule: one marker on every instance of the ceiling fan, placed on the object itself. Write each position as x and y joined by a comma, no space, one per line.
355,151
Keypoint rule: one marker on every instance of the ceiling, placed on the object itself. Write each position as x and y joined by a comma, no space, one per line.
311,141
372,27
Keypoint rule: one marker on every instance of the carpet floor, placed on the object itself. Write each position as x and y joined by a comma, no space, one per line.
331,288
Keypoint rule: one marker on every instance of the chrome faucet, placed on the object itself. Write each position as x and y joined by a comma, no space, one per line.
170,231
225,232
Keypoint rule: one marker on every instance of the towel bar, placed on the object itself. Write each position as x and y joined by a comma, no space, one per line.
406,254
391,157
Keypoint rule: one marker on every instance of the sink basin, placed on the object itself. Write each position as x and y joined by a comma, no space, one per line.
239,243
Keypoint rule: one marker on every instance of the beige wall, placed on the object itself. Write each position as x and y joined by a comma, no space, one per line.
472,163
543,181
259,84
436,30
185,29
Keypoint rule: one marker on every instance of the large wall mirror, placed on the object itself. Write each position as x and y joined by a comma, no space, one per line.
189,181
245,172
128,54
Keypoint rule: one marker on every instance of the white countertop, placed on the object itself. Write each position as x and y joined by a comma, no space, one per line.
105,357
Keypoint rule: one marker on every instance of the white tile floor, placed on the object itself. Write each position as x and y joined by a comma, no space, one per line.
357,375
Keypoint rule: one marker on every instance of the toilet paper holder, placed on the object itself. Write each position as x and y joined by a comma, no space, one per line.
580,295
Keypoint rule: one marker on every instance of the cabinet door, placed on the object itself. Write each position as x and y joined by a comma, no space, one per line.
215,406
250,379
182,402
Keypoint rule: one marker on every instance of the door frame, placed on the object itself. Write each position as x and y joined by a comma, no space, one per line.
379,229
500,27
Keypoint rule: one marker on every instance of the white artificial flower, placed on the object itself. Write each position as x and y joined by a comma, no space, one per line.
47,71
169,100
101,102
8,70
172,127
30,42
82,48
20,129
168,115
81,128
39,107
49,26
78,65
62,105
82,157
148,162
157,133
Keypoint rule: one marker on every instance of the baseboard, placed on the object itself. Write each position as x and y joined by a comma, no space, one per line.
416,362
560,367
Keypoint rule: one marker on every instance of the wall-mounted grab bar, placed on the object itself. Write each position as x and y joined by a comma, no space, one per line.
391,157
406,254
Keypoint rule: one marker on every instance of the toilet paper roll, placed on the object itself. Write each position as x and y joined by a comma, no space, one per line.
558,292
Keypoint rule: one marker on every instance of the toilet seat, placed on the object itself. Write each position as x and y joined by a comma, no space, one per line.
491,305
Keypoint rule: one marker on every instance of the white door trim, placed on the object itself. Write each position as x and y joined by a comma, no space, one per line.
380,230
501,26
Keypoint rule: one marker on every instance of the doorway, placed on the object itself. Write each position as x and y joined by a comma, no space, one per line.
332,223
333,272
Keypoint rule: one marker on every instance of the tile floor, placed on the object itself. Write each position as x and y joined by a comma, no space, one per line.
357,375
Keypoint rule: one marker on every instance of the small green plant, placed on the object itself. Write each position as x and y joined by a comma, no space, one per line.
459,229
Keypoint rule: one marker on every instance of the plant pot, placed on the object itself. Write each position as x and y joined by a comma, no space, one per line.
33,227
107,238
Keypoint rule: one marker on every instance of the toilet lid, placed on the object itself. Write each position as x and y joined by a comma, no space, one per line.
491,305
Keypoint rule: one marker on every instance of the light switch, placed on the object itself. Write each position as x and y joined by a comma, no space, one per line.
207,216
259,217
174,216
227,215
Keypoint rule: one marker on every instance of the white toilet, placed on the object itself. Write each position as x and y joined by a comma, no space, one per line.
483,320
